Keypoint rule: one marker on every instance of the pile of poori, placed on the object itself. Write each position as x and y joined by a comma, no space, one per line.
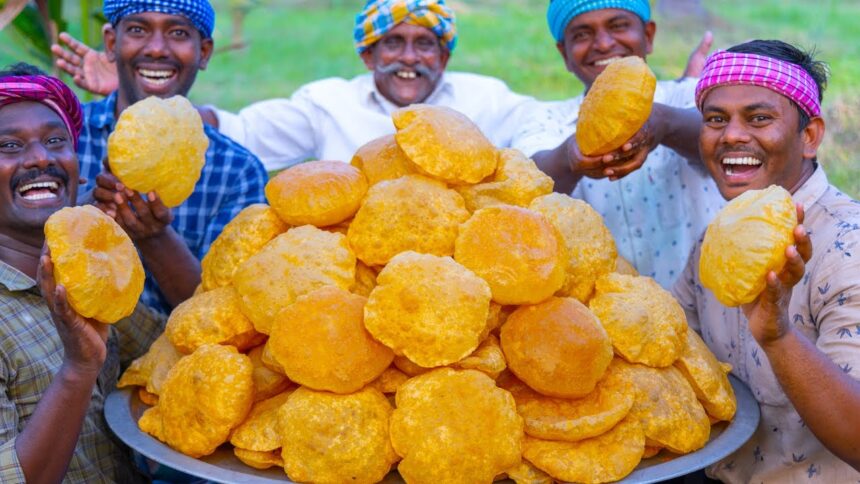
434,308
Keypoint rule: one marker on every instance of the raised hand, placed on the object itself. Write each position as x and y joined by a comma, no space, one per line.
91,69
768,314
142,218
84,340
696,62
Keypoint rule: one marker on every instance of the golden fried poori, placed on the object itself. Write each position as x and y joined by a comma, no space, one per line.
259,460
487,358
241,238
708,377
95,260
557,347
455,426
390,380
267,382
645,323
365,280
159,145
150,370
205,396
410,213
331,438
321,343
381,159
744,242
260,431
526,473
605,458
294,263
444,143
517,181
516,250
428,308
590,247
213,317
317,193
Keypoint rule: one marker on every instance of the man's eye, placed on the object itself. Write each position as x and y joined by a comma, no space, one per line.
619,26
55,140
134,29
760,118
8,145
579,36
714,119
180,33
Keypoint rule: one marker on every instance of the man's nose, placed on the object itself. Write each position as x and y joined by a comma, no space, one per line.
37,156
409,54
735,132
604,41
156,45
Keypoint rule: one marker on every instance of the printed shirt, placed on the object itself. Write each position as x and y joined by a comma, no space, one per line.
231,179
824,307
331,118
655,213
31,353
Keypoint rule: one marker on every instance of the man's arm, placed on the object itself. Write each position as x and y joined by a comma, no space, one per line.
825,397
45,446
90,69
147,221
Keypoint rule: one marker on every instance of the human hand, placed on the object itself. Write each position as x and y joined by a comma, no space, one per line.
84,340
141,218
768,314
91,69
696,62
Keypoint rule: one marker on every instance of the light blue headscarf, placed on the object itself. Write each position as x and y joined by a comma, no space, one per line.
561,12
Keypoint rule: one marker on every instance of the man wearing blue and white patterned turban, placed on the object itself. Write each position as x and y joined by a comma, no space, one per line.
654,194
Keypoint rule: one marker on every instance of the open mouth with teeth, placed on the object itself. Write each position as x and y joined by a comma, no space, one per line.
741,167
407,75
36,191
157,77
605,62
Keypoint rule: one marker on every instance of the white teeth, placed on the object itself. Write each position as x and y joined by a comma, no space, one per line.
156,74
747,160
406,74
39,196
606,62
31,186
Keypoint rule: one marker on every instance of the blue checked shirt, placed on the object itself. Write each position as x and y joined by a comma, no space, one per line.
232,179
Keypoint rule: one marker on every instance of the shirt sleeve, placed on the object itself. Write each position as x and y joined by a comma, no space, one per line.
541,127
281,132
681,93
684,290
835,305
10,467
137,332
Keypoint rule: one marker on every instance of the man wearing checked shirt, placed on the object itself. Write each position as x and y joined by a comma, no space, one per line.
158,47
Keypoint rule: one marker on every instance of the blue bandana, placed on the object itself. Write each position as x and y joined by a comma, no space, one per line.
561,12
199,12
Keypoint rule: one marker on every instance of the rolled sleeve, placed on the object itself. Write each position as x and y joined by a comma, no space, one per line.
10,467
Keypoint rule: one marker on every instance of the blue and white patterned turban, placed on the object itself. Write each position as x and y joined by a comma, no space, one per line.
199,12
380,16
561,12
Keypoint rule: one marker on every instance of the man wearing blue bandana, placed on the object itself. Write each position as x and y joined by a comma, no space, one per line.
405,45
158,46
654,193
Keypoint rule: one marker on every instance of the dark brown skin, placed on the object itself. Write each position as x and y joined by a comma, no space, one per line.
757,122
33,140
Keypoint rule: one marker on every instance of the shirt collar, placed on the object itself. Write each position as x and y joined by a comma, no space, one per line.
812,189
373,95
13,279
101,113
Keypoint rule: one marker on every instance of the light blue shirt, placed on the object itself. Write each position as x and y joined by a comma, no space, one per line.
656,213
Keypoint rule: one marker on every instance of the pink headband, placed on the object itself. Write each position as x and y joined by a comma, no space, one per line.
46,90
728,69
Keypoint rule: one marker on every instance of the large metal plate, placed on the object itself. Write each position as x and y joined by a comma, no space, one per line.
123,409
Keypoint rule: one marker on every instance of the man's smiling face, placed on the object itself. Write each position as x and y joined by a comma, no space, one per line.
594,39
407,63
38,168
156,54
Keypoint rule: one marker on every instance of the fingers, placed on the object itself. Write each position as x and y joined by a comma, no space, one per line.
161,212
61,306
77,46
45,276
141,207
794,268
706,43
801,213
109,182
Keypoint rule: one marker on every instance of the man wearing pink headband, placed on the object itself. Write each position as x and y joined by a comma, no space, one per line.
798,345
56,367
654,196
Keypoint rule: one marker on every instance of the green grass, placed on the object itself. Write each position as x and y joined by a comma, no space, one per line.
292,42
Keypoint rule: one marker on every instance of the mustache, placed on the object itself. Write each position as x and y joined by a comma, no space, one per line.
421,69
33,173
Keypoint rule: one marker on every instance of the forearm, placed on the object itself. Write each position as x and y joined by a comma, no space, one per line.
172,265
680,130
556,165
46,444
208,115
826,398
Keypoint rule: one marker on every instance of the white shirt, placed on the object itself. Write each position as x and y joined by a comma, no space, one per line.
331,118
824,308
656,213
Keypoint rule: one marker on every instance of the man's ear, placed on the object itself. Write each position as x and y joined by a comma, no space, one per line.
650,32
367,57
207,46
812,136
446,54
109,35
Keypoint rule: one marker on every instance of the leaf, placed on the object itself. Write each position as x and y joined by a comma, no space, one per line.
29,25
10,10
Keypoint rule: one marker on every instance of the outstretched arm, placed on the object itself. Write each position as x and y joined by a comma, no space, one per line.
804,371
45,446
